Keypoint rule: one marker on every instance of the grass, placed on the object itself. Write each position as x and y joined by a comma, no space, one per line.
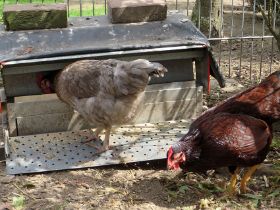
276,140
74,10
87,10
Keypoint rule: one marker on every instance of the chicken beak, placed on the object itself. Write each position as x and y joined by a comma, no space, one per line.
159,69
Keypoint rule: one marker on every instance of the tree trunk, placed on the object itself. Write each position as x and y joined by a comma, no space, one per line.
204,23
269,17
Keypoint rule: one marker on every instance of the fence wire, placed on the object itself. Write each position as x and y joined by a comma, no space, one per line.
242,43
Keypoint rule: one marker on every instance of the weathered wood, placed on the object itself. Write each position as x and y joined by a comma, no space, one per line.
162,102
46,123
39,104
34,16
49,103
166,111
153,112
126,11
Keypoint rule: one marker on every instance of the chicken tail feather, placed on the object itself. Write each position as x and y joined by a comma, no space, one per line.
77,122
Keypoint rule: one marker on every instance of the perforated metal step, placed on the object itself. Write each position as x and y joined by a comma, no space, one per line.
67,150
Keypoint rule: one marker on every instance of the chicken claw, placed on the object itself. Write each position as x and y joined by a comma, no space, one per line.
247,177
95,137
232,186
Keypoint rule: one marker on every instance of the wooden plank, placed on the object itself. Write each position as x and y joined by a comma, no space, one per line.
40,104
166,111
49,103
152,112
46,113
47,123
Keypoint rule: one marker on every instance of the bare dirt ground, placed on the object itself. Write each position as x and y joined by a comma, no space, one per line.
151,186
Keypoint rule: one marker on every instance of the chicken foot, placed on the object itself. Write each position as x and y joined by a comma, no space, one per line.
247,177
95,135
106,145
233,180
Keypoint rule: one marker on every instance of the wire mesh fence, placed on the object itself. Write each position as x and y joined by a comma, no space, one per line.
241,40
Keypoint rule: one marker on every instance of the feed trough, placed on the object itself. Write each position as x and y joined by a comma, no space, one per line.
36,136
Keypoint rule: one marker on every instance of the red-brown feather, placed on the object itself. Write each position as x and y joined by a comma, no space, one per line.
237,132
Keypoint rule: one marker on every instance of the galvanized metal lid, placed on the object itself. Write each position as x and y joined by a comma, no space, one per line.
97,34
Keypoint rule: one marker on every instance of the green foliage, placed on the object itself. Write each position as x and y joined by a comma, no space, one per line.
87,10
31,1
18,202
276,141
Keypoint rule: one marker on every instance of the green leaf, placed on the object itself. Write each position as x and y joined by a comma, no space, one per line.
274,193
18,202
255,197
172,193
200,186
183,189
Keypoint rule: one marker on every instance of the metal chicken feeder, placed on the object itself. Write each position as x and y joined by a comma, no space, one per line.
35,130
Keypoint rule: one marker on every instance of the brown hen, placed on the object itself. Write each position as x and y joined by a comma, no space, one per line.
236,133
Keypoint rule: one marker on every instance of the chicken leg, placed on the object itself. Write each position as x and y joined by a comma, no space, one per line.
247,177
95,135
233,180
106,145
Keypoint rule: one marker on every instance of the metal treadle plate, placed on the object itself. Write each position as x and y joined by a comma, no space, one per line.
68,150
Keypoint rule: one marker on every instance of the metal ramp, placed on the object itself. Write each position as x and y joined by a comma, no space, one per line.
67,150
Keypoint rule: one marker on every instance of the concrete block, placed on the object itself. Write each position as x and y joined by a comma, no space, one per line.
34,16
126,11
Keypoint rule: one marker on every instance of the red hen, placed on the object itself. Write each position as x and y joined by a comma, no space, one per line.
236,133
